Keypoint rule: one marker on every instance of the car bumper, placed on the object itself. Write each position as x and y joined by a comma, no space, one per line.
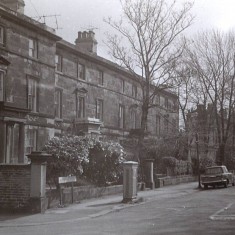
222,181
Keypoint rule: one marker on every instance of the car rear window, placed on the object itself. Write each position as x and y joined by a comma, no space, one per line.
216,170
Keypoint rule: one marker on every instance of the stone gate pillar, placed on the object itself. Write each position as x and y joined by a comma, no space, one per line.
38,181
149,173
129,181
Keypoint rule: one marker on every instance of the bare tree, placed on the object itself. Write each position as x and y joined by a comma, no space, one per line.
148,43
211,58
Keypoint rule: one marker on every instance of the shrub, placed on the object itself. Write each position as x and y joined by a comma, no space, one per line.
105,163
69,153
84,157
177,167
169,162
206,161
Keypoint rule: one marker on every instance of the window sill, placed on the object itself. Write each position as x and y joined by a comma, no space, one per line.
80,79
14,164
58,119
32,57
59,72
33,113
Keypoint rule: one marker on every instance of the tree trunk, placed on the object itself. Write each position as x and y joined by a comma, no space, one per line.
221,154
141,136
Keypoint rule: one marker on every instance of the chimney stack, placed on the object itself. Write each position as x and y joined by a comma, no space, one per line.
86,41
15,5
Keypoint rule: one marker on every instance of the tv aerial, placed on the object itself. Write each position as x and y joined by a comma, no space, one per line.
42,19
90,28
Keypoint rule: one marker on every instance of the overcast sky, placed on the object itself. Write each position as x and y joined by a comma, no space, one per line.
80,15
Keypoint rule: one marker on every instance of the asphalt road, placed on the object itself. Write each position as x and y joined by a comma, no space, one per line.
173,210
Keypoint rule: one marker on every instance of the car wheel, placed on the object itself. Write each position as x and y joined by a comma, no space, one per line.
205,186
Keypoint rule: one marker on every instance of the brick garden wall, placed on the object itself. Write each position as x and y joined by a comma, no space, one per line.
14,186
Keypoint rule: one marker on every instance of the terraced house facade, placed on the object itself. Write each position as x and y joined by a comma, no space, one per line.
50,87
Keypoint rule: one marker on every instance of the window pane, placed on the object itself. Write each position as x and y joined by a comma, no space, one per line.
32,94
56,59
100,77
133,119
99,109
121,116
31,140
122,85
58,63
32,48
81,71
1,35
80,107
58,103
134,91
1,87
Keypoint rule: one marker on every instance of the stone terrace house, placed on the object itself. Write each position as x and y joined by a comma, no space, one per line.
49,86
201,121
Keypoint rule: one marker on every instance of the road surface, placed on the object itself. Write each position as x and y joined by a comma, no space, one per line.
181,209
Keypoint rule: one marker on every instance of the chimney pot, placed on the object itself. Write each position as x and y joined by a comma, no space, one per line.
86,41
79,35
84,34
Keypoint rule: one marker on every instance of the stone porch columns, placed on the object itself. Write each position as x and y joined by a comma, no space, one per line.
149,173
38,181
21,142
129,181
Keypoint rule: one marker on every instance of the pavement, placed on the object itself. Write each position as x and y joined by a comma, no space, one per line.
96,207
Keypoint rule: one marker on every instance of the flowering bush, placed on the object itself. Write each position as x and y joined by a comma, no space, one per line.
84,157
104,166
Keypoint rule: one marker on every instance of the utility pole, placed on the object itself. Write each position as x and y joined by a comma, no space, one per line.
198,161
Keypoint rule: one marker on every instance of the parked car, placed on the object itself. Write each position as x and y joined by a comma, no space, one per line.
217,175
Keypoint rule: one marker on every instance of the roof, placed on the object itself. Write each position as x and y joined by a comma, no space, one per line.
95,58
105,62
28,22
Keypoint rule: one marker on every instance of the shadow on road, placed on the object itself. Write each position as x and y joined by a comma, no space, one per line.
12,215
